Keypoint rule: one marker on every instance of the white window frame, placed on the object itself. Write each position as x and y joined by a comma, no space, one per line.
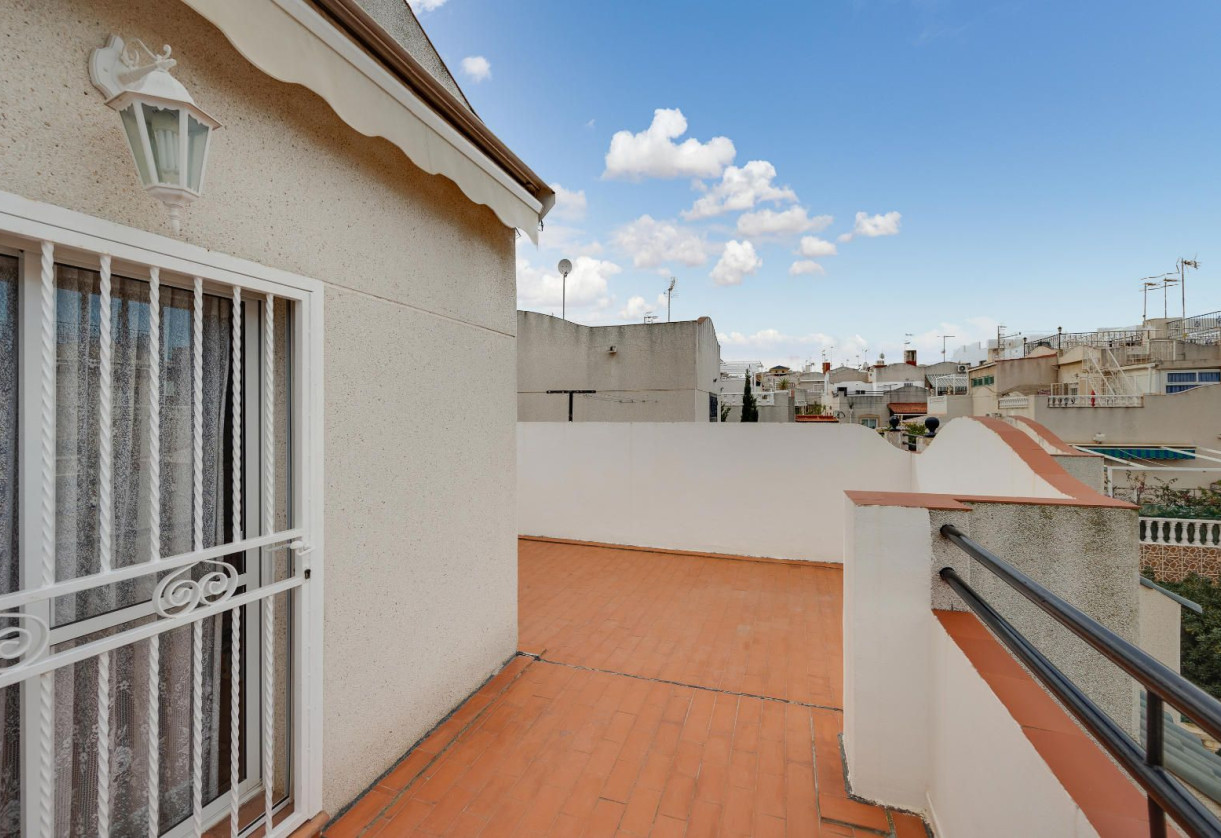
78,239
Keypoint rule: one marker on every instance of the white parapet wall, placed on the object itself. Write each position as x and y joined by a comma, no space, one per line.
753,489
744,489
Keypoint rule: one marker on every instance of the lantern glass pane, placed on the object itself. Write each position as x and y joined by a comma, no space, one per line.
162,126
131,127
197,149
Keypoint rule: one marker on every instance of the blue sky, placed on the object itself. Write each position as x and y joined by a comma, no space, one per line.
1024,163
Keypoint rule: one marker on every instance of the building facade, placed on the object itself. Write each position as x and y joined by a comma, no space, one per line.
637,372
261,377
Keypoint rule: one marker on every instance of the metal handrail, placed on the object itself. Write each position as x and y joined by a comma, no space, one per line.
1161,684
1190,605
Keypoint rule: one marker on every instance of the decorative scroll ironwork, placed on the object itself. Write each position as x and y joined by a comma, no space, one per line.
25,641
179,594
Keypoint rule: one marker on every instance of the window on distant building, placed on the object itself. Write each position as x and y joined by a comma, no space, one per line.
870,422
1177,382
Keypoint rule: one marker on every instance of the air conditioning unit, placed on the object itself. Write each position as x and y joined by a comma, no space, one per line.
962,367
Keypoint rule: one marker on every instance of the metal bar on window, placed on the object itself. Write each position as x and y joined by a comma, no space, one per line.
236,398
154,546
105,527
197,414
235,738
38,699
197,728
269,521
51,662
235,625
96,580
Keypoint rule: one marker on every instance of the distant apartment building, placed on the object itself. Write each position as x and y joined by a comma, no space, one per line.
1142,397
638,372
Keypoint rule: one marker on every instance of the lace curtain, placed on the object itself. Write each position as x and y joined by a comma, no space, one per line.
77,550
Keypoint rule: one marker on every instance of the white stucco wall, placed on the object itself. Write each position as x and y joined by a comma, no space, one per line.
420,592
986,777
922,729
757,490
967,457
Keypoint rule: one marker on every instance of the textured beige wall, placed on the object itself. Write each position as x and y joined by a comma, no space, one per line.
1087,555
1161,627
659,372
420,593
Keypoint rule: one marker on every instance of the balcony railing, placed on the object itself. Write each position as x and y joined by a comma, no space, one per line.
1162,686
1088,400
1013,402
1186,532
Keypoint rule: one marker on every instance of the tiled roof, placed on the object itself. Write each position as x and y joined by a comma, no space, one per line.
909,407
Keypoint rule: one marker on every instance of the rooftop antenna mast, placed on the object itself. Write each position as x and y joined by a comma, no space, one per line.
1183,265
669,294
944,338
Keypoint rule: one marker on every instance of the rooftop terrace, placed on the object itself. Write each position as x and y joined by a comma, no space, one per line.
822,670
655,694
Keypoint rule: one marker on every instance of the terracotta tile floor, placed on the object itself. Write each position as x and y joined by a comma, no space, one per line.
662,694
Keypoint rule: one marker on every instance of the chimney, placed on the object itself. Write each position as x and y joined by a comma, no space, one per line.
826,366
909,356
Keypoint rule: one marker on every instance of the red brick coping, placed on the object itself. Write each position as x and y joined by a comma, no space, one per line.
1114,805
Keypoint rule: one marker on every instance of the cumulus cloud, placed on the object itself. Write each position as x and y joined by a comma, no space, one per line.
418,6
872,226
654,152
653,243
773,346
806,267
778,224
588,285
635,308
476,67
741,188
739,259
568,203
812,247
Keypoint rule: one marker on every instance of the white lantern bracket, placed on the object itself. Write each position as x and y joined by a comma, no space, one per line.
119,67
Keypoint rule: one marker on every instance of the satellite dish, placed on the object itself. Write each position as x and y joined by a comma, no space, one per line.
565,267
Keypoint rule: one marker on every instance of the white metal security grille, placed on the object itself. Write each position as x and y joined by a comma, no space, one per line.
230,587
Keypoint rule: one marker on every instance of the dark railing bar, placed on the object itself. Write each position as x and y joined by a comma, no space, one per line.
1181,600
1155,676
1164,792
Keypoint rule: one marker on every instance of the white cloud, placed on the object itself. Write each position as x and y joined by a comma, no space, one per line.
476,67
770,223
654,152
568,203
652,243
737,260
812,247
772,346
418,6
872,226
588,285
635,309
806,267
567,241
741,189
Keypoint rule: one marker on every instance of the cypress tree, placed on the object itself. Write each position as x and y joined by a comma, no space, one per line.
750,411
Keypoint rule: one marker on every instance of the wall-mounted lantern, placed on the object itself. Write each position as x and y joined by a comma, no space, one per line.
167,132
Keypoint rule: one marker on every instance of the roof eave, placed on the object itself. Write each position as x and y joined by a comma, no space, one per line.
356,23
